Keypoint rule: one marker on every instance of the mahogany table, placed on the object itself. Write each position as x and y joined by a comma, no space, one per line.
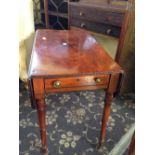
70,60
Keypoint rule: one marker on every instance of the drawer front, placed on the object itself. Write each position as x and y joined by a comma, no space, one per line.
96,27
96,15
73,82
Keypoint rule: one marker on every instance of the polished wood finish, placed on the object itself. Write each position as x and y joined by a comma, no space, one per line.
70,52
70,61
112,88
42,123
77,82
106,113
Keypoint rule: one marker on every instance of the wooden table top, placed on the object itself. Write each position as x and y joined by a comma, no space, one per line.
68,52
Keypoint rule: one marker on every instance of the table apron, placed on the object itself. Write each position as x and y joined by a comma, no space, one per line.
76,83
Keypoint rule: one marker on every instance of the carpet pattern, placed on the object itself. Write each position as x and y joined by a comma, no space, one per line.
73,123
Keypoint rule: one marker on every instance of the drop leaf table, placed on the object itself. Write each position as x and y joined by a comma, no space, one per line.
70,60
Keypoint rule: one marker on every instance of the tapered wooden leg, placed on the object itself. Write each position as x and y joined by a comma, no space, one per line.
132,146
106,113
42,123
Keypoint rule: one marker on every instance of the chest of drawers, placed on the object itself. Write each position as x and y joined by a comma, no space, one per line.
98,16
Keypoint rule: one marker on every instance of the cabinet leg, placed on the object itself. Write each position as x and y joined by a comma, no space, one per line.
106,113
42,123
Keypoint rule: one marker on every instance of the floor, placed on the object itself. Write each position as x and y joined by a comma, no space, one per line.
73,123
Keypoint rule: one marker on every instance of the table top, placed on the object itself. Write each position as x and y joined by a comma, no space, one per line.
68,52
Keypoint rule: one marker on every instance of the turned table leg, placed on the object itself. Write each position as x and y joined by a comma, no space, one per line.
132,145
42,123
106,113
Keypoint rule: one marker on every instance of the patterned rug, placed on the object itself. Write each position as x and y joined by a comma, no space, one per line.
73,123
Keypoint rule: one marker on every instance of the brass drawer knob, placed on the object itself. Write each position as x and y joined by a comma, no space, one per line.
98,80
57,84
81,13
83,25
109,31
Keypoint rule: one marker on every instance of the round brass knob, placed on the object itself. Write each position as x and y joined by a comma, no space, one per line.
81,13
98,80
57,84
83,25
109,31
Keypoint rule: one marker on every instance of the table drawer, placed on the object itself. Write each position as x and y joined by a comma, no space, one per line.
96,27
96,15
72,82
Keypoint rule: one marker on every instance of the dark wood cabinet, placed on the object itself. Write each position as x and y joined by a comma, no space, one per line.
99,16
93,14
96,27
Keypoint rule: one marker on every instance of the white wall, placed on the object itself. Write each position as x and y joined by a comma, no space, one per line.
26,35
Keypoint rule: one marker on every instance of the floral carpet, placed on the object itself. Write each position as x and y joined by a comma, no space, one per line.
73,123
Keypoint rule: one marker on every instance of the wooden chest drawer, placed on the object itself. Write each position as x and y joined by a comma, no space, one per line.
72,82
96,15
97,27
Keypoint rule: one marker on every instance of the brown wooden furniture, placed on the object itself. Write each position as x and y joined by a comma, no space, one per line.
125,54
98,16
132,145
70,60
102,16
